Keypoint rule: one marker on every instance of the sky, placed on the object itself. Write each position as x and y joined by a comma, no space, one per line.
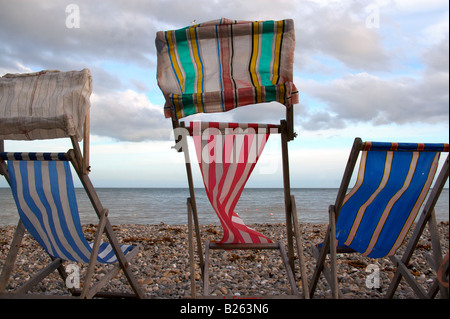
378,70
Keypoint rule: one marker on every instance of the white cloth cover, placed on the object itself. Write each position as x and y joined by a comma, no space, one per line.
44,105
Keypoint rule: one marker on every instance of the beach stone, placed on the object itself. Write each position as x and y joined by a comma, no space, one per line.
162,266
223,290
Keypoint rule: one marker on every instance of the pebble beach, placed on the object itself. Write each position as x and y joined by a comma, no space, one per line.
162,266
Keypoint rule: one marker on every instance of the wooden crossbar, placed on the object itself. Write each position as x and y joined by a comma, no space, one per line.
244,246
233,128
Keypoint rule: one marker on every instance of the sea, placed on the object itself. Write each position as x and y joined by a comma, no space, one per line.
168,205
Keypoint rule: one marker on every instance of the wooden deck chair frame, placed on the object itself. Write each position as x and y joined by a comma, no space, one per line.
427,217
217,66
293,228
104,227
79,158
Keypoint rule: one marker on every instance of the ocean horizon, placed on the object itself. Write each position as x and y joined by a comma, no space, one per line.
168,205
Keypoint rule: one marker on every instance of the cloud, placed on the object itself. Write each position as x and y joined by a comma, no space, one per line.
436,57
319,120
128,116
339,30
37,34
420,96
419,5
357,64
365,97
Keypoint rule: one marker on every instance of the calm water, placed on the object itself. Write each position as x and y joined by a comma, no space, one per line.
168,205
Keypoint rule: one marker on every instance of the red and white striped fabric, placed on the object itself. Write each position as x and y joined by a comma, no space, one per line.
226,162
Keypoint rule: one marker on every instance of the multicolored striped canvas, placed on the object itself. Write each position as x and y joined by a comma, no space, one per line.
223,64
226,162
393,182
44,193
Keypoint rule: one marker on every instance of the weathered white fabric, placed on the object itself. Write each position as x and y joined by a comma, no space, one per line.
44,105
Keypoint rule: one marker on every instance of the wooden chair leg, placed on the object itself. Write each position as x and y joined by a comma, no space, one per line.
55,264
198,239
442,278
191,249
12,255
92,292
94,253
333,254
206,271
330,273
287,194
289,272
321,255
402,263
108,230
300,252
436,252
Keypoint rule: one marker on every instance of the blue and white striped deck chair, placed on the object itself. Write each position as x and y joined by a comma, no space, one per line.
44,193
47,105
374,217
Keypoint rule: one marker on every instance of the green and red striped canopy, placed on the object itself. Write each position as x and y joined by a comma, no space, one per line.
223,64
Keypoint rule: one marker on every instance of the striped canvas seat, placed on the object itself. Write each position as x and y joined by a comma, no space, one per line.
395,189
227,154
44,193
393,182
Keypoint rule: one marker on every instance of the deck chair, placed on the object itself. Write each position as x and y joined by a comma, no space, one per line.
215,67
48,105
374,217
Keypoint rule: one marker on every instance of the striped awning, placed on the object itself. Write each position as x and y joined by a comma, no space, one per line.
44,105
223,64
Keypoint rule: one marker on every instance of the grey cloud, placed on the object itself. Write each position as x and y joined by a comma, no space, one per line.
338,30
419,97
104,81
319,120
436,58
365,98
34,35
368,98
129,116
36,32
